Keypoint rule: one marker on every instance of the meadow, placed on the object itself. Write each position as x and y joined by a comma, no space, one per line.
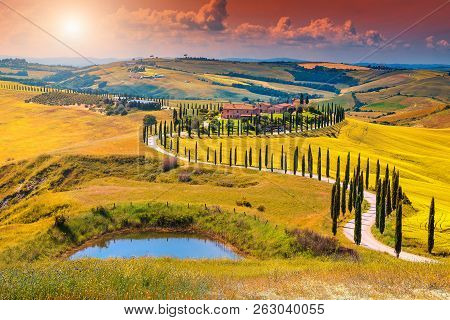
93,161
419,154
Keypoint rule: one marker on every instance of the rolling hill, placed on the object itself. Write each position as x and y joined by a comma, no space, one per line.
382,95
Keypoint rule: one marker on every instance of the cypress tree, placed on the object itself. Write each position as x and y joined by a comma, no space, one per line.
266,157
378,204
310,162
398,229
235,156
319,165
295,164
281,157
358,221
350,196
328,163
337,203
333,195
347,169
343,202
231,158
431,227
285,163
196,151
246,159
220,153
260,160
395,185
250,157
215,157
338,168
358,166
367,173
207,154
388,199
383,207
303,165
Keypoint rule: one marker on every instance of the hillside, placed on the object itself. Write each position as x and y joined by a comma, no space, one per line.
382,95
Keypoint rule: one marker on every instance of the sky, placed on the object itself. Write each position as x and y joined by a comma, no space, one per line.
383,31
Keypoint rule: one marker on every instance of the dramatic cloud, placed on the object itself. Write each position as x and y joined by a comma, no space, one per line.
430,43
143,23
320,32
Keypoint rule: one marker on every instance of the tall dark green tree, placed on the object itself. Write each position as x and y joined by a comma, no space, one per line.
343,202
295,164
347,169
333,196
319,165
303,165
338,168
328,163
350,196
398,229
388,199
377,177
431,227
310,162
358,221
378,204
383,207
260,160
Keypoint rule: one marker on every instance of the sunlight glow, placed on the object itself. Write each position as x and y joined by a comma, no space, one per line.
72,27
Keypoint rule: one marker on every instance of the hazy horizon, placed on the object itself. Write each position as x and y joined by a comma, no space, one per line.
404,32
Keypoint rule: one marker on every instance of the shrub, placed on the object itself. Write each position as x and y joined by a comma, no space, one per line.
184,177
319,245
261,208
169,163
60,221
243,203
101,211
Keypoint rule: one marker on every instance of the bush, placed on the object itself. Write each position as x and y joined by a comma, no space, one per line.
261,208
184,177
319,245
169,163
60,221
243,203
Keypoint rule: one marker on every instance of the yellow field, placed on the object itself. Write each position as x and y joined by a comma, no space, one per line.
420,154
28,129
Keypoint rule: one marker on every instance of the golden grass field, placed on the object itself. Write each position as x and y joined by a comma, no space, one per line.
420,154
29,130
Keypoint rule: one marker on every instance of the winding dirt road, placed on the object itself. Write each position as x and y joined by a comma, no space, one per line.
368,219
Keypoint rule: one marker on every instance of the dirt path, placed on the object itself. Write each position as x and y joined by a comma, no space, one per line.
368,219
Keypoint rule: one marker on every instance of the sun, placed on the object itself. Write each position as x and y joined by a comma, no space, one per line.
72,27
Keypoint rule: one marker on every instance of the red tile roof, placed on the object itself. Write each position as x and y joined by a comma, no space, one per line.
230,106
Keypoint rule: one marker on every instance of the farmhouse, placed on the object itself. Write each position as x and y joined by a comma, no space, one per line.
281,108
263,106
236,111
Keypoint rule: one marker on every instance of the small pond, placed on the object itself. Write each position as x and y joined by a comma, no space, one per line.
154,244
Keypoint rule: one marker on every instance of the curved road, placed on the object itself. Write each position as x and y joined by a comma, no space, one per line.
368,219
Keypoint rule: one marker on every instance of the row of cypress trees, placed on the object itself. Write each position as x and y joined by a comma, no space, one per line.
345,196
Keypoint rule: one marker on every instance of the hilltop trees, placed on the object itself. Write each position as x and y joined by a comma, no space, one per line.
431,227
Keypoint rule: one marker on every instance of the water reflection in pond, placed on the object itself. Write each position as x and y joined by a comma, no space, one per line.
153,244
